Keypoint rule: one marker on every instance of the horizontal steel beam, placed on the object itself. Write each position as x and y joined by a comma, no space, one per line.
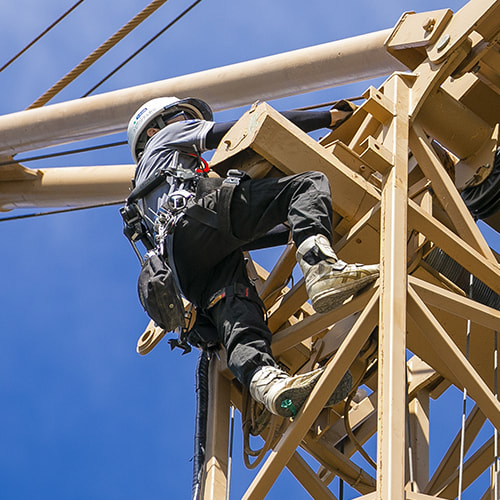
322,66
68,187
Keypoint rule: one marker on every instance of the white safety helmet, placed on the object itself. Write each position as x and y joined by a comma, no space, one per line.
156,113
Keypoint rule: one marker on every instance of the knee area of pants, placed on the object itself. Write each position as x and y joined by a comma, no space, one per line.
315,174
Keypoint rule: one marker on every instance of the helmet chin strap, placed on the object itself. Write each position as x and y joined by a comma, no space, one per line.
161,123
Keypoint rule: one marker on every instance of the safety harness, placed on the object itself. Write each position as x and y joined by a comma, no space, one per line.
158,284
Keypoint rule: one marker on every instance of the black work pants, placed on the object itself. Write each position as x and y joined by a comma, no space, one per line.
208,261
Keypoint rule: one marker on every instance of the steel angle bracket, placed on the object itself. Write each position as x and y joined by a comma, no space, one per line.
414,32
150,338
476,15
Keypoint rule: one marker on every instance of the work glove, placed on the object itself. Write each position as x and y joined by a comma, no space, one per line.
343,106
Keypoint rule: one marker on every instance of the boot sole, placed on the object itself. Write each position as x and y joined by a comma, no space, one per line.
333,298
298,395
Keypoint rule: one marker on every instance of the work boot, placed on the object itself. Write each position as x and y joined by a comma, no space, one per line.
330,281
284,395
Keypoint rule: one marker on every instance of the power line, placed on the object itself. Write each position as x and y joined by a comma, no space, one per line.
100,51
40,35
61,211
324,104
64,153
149,42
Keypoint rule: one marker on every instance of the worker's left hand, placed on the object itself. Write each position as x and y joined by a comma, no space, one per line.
340,112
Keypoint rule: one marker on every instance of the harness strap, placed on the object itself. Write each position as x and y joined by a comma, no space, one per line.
225,196
221,219
207,185
182,332
143,189
204,215
233,179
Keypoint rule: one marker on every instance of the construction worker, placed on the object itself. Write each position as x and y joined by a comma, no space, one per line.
169,134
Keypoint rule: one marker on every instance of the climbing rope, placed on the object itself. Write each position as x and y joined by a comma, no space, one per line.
254,420
408,430
138,51
365,374
57,21
99,52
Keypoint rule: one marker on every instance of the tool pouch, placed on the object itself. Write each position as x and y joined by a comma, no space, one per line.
159,293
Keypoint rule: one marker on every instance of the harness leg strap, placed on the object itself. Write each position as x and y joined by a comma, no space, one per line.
233,179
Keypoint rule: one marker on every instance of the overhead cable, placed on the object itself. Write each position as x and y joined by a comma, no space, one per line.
495,431
149,42
64,153
8,63
60,211
230,455
200,438
464,401
100,51
329,104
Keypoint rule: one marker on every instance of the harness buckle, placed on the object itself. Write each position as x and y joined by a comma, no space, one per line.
234,176
178,200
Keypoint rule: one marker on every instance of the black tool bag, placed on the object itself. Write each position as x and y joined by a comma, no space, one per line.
159,293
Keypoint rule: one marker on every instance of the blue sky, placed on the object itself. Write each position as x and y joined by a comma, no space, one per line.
82,415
